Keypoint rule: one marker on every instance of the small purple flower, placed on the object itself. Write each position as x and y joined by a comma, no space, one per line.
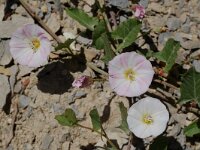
83,81
139,11
30,46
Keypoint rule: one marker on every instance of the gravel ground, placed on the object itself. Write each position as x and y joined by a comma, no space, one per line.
49,90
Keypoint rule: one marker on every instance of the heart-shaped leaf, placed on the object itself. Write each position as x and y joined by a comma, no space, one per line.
192,129
190,88
95,119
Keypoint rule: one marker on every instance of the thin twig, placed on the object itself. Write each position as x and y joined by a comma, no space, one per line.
165,83
93,67
15,107
112,15
42,23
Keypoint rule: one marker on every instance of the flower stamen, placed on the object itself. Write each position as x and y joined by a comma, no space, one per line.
129,74
147,119
35,43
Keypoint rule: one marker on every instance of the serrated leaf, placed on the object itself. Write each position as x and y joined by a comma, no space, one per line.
160,143
103,43
192,129
190,87
68,118
95,119
83,18
64,45
124,124
168,54
127,31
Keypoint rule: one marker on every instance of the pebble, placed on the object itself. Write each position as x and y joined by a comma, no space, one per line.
7,28
156,7
5,56
173,23
54,22
119,3
163,37
144,3
4,90
24,70
195,44
47,140
66,145
58,108
28,146
24,101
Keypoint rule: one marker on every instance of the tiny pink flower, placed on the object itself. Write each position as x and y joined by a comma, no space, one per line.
30,46
130,74
82,82
139,11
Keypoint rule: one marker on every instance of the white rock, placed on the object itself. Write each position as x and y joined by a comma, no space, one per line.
54,22
5,56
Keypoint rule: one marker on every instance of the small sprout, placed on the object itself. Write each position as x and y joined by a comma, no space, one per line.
130,74
148,117
83,81
30,46
139,11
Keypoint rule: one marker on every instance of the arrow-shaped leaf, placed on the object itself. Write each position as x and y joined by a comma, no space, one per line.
168,54
192,129
127,31
124,124
82,18
190,88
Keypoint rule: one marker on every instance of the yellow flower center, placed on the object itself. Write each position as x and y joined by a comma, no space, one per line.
129,74
35,43
147,119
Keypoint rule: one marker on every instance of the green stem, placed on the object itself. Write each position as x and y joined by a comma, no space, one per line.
104,134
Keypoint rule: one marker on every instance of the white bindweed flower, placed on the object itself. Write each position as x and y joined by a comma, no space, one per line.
147,117
130,74
30,46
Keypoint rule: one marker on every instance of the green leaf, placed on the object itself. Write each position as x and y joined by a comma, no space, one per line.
98,30
95,119
192,129
124,124
168,54
128,32
160,143
103,43
190,87
82,18
64,45
68,118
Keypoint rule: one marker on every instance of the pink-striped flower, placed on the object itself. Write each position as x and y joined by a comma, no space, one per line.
30,46
130,74
139,11
83,81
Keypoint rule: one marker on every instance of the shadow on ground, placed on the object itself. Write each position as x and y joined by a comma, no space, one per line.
55,78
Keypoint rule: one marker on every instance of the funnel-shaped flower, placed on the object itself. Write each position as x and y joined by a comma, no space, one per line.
30,46
130,74
147,117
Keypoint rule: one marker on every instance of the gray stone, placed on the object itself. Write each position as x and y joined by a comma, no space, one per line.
24,70
163,37
47,140
28,146
24,101
4,90
18,87
28,112
119,3
65,137
7,28
84,40
80,94
195,44
57,108
12,79
5,56
144,3
185,28
54,22
173,23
